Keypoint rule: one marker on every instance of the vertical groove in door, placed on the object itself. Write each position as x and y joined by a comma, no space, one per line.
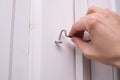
90,73
90,69
73,10
82,64
74,46
108,4
88,3
75,61
11,41
113,72
89,62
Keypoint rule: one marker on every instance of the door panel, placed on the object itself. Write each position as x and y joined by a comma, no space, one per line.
35,41
60,63
82,64
101,72
20,54
14,42
99,3
57,62
5,34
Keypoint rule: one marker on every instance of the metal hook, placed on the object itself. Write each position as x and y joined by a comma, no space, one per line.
59,38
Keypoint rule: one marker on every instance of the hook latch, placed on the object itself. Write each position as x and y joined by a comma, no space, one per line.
59,38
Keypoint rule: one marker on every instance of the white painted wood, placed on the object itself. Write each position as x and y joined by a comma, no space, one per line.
116,6
20,30
99,3
116,74
81,7
35,41
48,62
86,69
79,65
57,62
113,5
82,64
5,33
101,72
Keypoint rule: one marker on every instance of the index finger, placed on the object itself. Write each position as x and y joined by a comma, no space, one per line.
79,27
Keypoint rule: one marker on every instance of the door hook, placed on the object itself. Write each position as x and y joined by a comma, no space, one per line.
59,38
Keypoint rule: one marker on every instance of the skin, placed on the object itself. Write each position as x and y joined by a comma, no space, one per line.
103,27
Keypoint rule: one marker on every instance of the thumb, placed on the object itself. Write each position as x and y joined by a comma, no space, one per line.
86,48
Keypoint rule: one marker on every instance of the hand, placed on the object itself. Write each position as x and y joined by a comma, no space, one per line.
103,27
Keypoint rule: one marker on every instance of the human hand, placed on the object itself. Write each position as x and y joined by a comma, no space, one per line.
103,27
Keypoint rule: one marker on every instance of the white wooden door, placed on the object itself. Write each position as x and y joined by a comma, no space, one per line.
28,30
46,60
57,63
5,30
20,40
14,42
65,62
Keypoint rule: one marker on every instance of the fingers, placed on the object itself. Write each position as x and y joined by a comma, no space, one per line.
79,27
94,9
86,48
88,22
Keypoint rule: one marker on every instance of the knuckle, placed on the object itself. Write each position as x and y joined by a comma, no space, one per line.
107,12
94,19
91,8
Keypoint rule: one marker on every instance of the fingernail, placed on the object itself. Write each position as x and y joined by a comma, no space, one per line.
70,36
